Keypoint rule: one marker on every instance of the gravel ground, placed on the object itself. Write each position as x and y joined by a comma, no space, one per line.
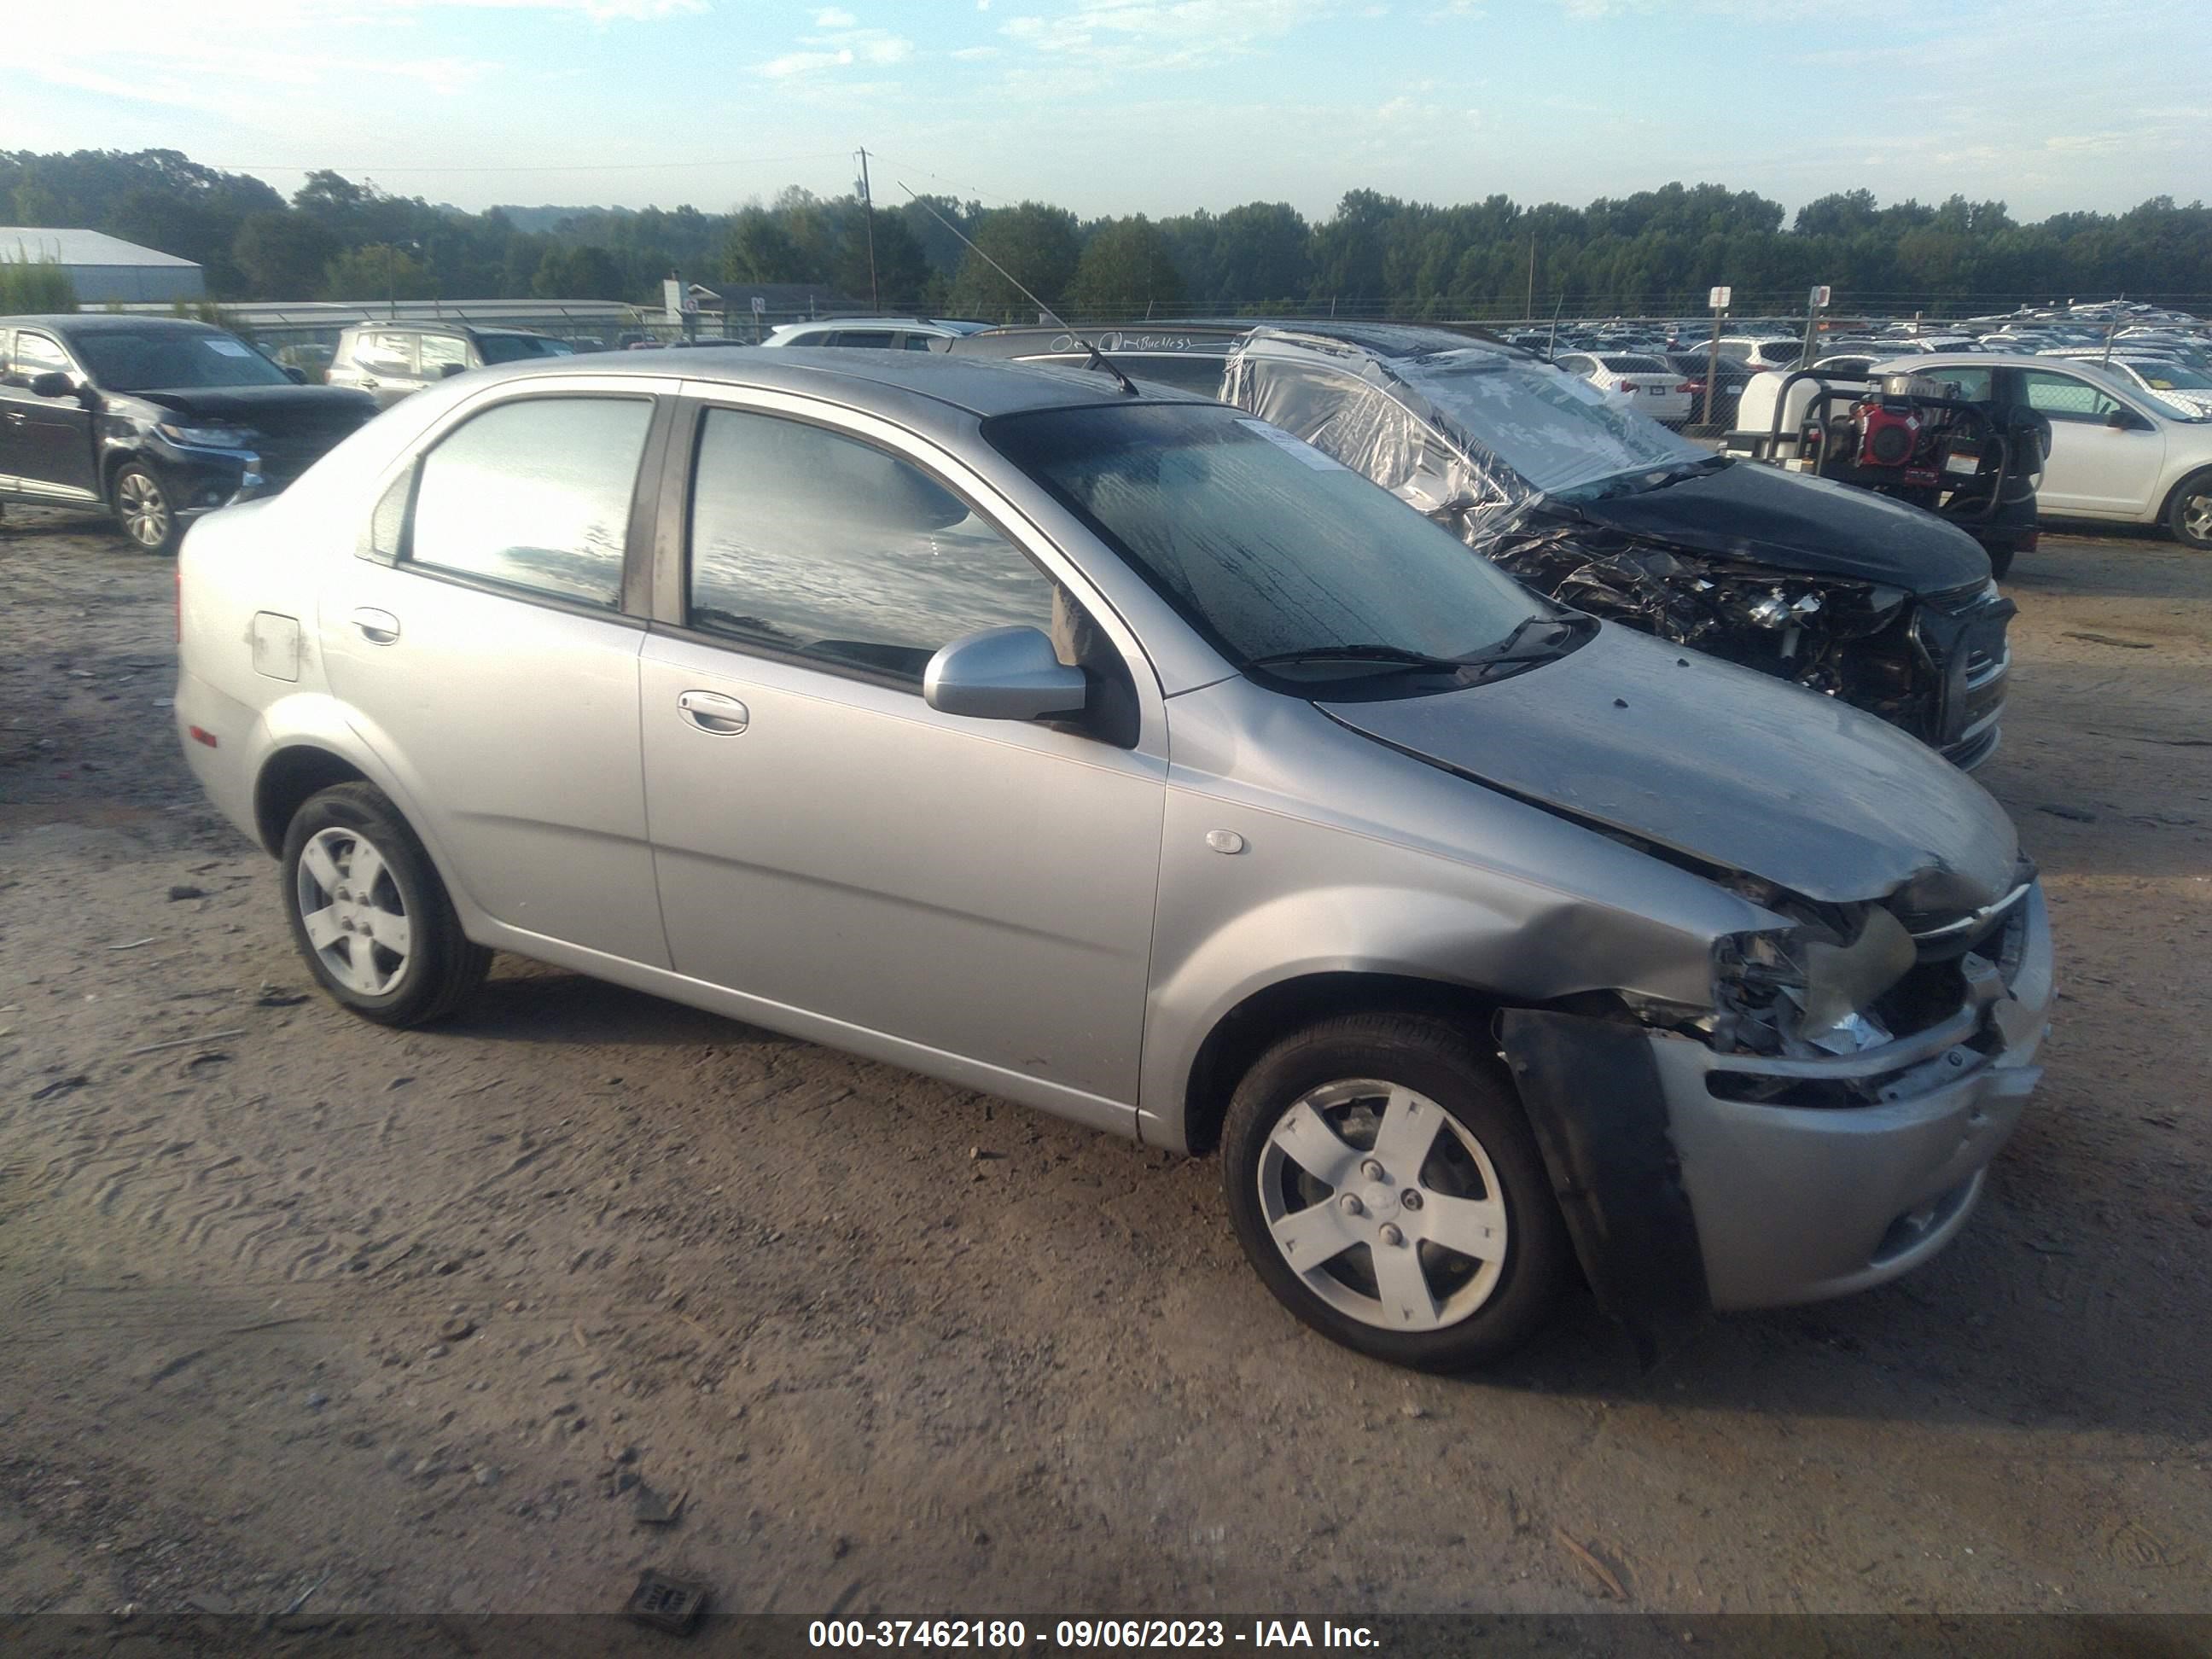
412,1320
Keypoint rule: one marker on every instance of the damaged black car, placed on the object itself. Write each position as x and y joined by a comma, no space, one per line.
1865,599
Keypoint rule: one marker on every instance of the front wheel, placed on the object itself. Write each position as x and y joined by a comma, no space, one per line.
145,510
1385,1185
2189,517
368,914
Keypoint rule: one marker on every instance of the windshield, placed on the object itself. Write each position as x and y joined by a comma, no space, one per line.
1556,432
147,359
513,348
1263,544
2163,376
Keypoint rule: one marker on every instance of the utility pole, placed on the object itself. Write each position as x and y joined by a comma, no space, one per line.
1532,274
868,215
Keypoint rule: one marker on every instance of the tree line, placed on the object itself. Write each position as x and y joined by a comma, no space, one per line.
1655,252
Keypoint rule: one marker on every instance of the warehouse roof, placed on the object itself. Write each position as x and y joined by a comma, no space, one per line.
79,247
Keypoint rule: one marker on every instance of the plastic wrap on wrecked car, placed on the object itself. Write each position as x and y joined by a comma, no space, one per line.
1478,434
1372,429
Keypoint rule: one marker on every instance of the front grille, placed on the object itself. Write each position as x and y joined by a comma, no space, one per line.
1959,633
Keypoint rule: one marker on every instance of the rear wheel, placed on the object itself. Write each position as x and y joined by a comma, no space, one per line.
368,914
2189,516
145,510
1385,1185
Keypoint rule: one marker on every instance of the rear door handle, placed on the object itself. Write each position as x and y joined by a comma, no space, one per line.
377,627
710,711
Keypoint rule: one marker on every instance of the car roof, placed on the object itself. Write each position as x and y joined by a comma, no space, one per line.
1383,339
982,386
106,323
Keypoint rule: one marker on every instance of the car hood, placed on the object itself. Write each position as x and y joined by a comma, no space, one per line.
1724,765
1765,516
266,408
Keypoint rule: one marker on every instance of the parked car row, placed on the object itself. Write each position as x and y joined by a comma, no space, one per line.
156,421
1887,608
2116,449
1076,738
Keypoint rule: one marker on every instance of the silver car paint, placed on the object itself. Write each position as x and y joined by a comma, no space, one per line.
1353,857
1760,775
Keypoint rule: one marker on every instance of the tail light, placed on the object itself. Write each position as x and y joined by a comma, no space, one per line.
1626,386
1691,386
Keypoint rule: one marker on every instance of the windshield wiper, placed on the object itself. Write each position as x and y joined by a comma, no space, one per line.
1396,659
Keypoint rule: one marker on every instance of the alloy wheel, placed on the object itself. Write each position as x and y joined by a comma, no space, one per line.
144,509
354,912
1384,1205
2197,518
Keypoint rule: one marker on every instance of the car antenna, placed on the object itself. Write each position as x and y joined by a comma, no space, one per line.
1098,356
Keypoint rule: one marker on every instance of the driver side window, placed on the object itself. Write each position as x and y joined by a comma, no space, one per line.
2063,397
35,355
806,541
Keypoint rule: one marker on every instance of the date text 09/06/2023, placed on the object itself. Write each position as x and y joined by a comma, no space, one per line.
1086,1634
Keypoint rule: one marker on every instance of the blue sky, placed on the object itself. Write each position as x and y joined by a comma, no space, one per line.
1121,105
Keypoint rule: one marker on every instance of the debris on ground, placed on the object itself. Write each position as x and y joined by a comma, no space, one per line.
671,1604
653,1509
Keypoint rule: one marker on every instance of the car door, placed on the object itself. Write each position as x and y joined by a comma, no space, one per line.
2095,470
48,440
438,357
383,360
828,843
484,651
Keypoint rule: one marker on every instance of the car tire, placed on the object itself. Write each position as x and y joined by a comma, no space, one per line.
2189,515
1385,1276
369,915
146,510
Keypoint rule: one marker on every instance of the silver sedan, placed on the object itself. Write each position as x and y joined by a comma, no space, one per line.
1119,754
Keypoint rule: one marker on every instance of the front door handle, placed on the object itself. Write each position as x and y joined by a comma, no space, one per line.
710,711
377,627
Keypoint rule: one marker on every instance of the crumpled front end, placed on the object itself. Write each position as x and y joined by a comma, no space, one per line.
1935,666
1786,1147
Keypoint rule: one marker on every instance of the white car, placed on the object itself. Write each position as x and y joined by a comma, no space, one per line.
1633,381
1763,351
2117,450
873,333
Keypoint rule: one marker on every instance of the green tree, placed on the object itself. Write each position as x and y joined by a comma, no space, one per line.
376,271
1036,243
759,250
282,255
1125,272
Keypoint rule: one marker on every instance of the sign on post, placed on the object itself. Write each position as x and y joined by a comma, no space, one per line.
1718,299
1820,298
671,300
760,307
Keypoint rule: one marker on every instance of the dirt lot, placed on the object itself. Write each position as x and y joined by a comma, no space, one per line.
293,1302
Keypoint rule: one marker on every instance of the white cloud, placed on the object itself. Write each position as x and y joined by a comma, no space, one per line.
839,45
1119,34
977,54
802,63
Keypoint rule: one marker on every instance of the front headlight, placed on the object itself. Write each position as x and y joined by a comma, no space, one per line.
1809,990
208,437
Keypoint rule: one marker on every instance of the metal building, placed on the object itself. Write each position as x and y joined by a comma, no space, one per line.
105,268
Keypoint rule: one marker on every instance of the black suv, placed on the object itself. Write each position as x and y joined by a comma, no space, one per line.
154,419
1881,605
389,361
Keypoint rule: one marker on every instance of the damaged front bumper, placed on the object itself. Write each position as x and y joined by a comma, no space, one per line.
1691,1179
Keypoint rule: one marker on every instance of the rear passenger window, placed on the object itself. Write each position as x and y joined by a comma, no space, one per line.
807,542
534,495
438,352
382,352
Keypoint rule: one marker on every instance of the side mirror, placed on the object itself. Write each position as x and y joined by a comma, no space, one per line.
2126,420
296,375
446,371
1002,674
54,383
